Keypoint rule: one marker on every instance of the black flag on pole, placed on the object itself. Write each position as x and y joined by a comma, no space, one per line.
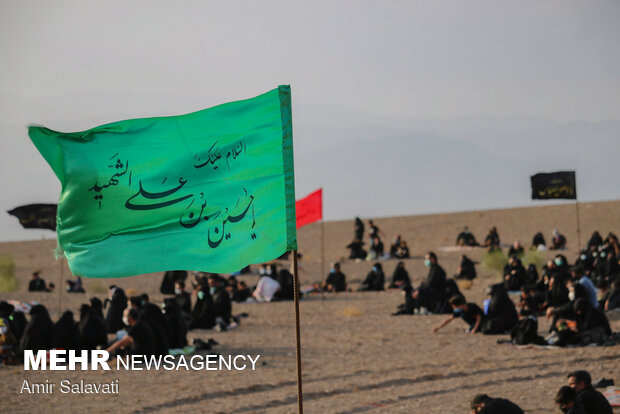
559,184
36,216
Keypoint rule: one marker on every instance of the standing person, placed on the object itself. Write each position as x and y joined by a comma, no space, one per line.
118,302
359,229
593,401
469,312
431,294
183,298
374,230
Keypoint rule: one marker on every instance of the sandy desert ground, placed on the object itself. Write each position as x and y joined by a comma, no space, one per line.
356,357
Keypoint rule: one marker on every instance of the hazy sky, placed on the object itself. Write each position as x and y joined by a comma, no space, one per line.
72,65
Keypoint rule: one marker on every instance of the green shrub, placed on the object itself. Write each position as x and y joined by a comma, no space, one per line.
534,257
7,278
494,262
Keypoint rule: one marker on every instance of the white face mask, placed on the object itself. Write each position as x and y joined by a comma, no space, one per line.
126,320
571,296
177,291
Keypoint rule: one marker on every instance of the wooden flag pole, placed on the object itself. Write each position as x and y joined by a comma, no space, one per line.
300,403
578,229
322,248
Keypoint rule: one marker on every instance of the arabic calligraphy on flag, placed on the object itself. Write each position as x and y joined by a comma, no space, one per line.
212,190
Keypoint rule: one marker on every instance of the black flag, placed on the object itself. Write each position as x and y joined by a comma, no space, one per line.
36,216
559,184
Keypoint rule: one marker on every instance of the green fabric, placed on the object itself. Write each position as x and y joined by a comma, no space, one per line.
213,190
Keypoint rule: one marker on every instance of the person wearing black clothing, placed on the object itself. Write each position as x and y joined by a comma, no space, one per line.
502,313
242,293
465,238
151,315
516,250
538,240
17,320
590,318
531,274
566,399
357,251
38,333
203,314
376,247
117,304
91,328
492,240
139,338
593,402
176,323
375,280
483,404
97,306
285,279
595,241
336,280
400,277
557,292
469,312
359,229
515,275
183,298
37,284
65,334
431,294
558,241
222,302
407,308
170,278
466,270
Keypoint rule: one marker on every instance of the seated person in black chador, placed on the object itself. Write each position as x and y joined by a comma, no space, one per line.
375,280
116,303
92,329
531,302
595,241
74,286
431,294
336,280
357,251
177,324
407,308
483,404
538,241
465,238
566,400
492,240
469,312
376,247
502,315
37,284
203,314
400,277
582,324
516,249
65,334
169,279
139,338
399,249
152,316
242,293
466,270
183,298
38,333
591,400
558,241
16,319
221,301
359,229
515,275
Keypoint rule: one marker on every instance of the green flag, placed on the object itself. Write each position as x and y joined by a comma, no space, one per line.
213,190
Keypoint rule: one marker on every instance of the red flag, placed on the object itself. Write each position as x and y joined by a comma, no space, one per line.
310,208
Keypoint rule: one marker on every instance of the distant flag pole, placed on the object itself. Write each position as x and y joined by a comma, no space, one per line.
212,190
557,185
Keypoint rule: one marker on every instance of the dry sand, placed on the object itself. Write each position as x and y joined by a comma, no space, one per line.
356,357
